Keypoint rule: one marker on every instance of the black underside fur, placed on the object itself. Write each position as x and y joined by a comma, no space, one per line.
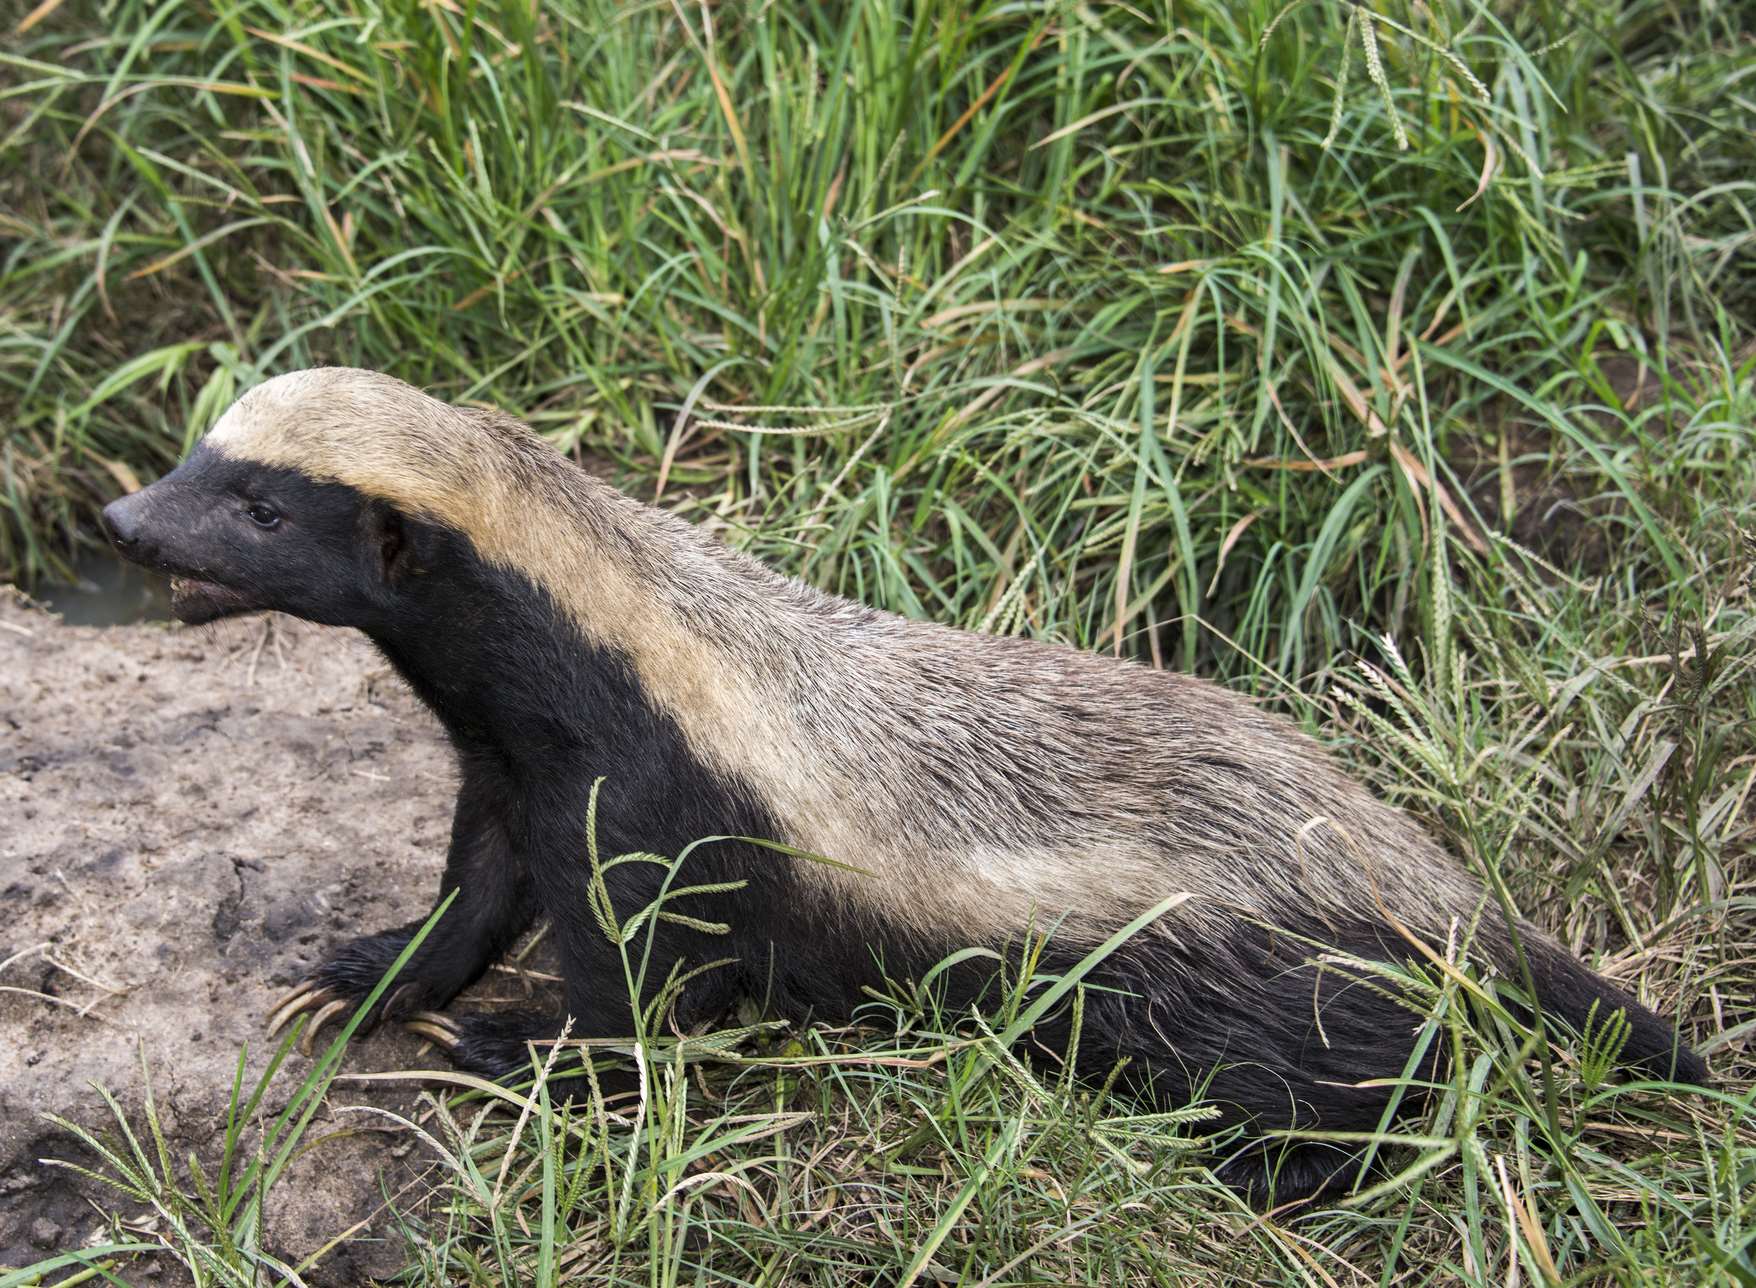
537,715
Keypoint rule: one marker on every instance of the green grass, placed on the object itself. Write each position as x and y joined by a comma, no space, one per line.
1120,325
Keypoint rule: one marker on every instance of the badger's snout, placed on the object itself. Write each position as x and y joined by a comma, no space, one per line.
124,522
152,527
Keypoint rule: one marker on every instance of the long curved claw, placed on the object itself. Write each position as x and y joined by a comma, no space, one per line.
303,997
327,1012
436,1028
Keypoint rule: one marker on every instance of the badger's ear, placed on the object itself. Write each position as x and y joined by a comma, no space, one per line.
390,548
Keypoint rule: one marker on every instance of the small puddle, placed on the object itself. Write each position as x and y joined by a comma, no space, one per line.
107,592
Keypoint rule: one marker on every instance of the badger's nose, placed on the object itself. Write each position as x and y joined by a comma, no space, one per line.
121,519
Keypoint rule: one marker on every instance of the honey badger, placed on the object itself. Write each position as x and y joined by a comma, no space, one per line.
974,788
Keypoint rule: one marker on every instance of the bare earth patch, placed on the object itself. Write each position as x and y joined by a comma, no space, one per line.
188,819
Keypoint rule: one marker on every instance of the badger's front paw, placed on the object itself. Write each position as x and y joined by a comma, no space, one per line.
494,1044
342,982
510,1046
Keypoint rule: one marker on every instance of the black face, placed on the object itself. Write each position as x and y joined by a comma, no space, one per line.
236,537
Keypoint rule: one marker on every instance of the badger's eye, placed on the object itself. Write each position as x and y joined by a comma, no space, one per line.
263,515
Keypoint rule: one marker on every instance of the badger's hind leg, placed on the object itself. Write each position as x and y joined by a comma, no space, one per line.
1294,1174
1251,1022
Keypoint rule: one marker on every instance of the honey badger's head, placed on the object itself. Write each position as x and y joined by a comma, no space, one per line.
235,536
310,496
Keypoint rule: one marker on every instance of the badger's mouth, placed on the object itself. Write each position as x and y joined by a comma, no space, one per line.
195,601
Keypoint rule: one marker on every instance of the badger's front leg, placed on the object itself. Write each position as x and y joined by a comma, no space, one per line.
492,906
599,995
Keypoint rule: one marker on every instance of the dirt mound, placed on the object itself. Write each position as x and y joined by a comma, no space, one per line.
188,818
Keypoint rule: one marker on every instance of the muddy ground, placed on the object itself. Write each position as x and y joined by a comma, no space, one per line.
188,818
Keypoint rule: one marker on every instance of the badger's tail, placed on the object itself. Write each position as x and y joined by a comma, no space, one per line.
1567,990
